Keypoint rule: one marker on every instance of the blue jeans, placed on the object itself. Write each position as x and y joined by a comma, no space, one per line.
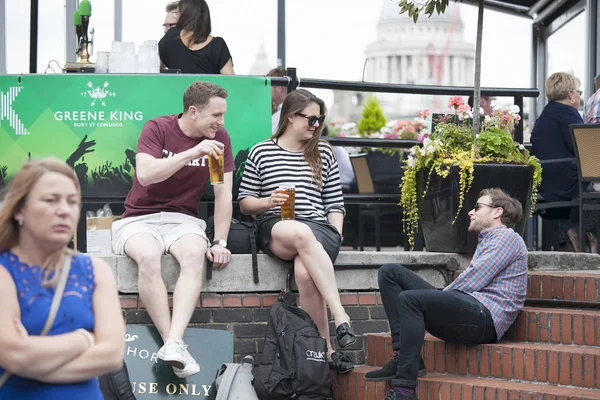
413,305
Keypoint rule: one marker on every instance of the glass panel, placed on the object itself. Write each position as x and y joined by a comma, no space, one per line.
17,37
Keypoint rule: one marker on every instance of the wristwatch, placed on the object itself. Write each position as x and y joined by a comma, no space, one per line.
219,242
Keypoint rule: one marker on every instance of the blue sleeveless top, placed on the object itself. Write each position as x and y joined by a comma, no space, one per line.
75,311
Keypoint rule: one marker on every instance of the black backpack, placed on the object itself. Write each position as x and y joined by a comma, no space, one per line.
294,362
116,385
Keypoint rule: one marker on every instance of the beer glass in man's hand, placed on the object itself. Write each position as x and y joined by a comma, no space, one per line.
288,208
215,166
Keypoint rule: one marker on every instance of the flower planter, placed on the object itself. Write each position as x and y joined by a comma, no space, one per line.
438,208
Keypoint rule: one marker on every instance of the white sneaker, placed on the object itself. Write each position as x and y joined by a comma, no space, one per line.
191,366
173,353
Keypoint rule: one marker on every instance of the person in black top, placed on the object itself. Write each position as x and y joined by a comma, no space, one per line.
551,139
190,47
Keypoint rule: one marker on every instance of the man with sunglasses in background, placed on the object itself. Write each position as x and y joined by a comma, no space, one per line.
478,307
172,16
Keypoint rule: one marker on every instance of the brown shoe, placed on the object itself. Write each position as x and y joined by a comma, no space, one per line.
573,238
593,240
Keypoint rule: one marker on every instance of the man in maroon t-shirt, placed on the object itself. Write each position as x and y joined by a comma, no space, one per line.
161,212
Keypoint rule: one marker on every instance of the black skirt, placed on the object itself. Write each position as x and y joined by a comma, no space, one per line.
325,233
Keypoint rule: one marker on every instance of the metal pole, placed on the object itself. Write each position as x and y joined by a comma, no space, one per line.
2,37
533,109
592,51
281,33
33,36
118,20
70,35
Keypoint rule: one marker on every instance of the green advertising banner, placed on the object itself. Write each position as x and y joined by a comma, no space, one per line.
93,121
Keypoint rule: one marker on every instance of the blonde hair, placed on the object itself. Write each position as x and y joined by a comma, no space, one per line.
559,84
14,200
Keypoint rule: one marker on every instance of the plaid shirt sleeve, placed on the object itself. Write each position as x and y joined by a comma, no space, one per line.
492,256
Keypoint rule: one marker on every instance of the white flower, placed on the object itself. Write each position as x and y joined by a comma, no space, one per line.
385,130
426,142
497,106
514,109
487,119
411,161
470,113
349,126
477,136
430,149
438,142
412,151
493,103
481,111
423,151
521,147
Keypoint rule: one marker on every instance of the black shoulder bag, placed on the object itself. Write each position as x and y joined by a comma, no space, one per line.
242,239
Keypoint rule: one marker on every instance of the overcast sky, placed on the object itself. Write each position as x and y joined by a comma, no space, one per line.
325,38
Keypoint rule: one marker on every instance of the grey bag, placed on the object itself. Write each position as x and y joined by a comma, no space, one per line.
234,381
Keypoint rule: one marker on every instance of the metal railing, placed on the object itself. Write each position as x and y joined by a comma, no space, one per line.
292,81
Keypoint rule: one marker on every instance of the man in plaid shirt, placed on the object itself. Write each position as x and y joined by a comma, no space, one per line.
591,110
478,307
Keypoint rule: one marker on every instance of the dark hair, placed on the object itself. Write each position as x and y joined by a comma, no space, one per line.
471,100
199,93
512,210
194,16
279,71
294,103
172,6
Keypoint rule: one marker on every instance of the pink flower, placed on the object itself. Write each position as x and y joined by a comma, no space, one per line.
455,102
517,117
410,129
424,113
463,108
341,135
506,117
422,137
391,136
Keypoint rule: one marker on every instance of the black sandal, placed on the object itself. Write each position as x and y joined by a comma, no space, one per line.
345,335
340,363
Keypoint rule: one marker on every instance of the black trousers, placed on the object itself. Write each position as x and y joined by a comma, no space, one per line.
413,305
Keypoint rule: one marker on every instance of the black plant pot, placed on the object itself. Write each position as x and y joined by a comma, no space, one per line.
438,208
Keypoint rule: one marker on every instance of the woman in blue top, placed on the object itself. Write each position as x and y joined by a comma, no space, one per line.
551,139
37,220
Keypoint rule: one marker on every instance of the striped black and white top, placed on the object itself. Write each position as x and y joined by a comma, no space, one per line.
269,165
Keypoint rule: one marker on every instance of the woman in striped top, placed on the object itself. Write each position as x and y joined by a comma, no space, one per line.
295,154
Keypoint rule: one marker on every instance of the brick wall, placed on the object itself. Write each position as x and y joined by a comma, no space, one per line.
246,315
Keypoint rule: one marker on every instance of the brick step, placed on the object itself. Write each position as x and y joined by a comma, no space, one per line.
451,387
553,325
564,285
535,362
435,386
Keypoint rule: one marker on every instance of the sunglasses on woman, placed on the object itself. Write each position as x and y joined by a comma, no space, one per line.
313,119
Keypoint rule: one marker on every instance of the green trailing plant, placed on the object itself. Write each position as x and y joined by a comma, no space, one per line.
372,118
452,144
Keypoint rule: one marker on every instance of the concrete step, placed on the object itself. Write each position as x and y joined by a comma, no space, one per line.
535,362
559,326
581,286
436,386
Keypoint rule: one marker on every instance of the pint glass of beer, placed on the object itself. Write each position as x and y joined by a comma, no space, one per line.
216,168
288,208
